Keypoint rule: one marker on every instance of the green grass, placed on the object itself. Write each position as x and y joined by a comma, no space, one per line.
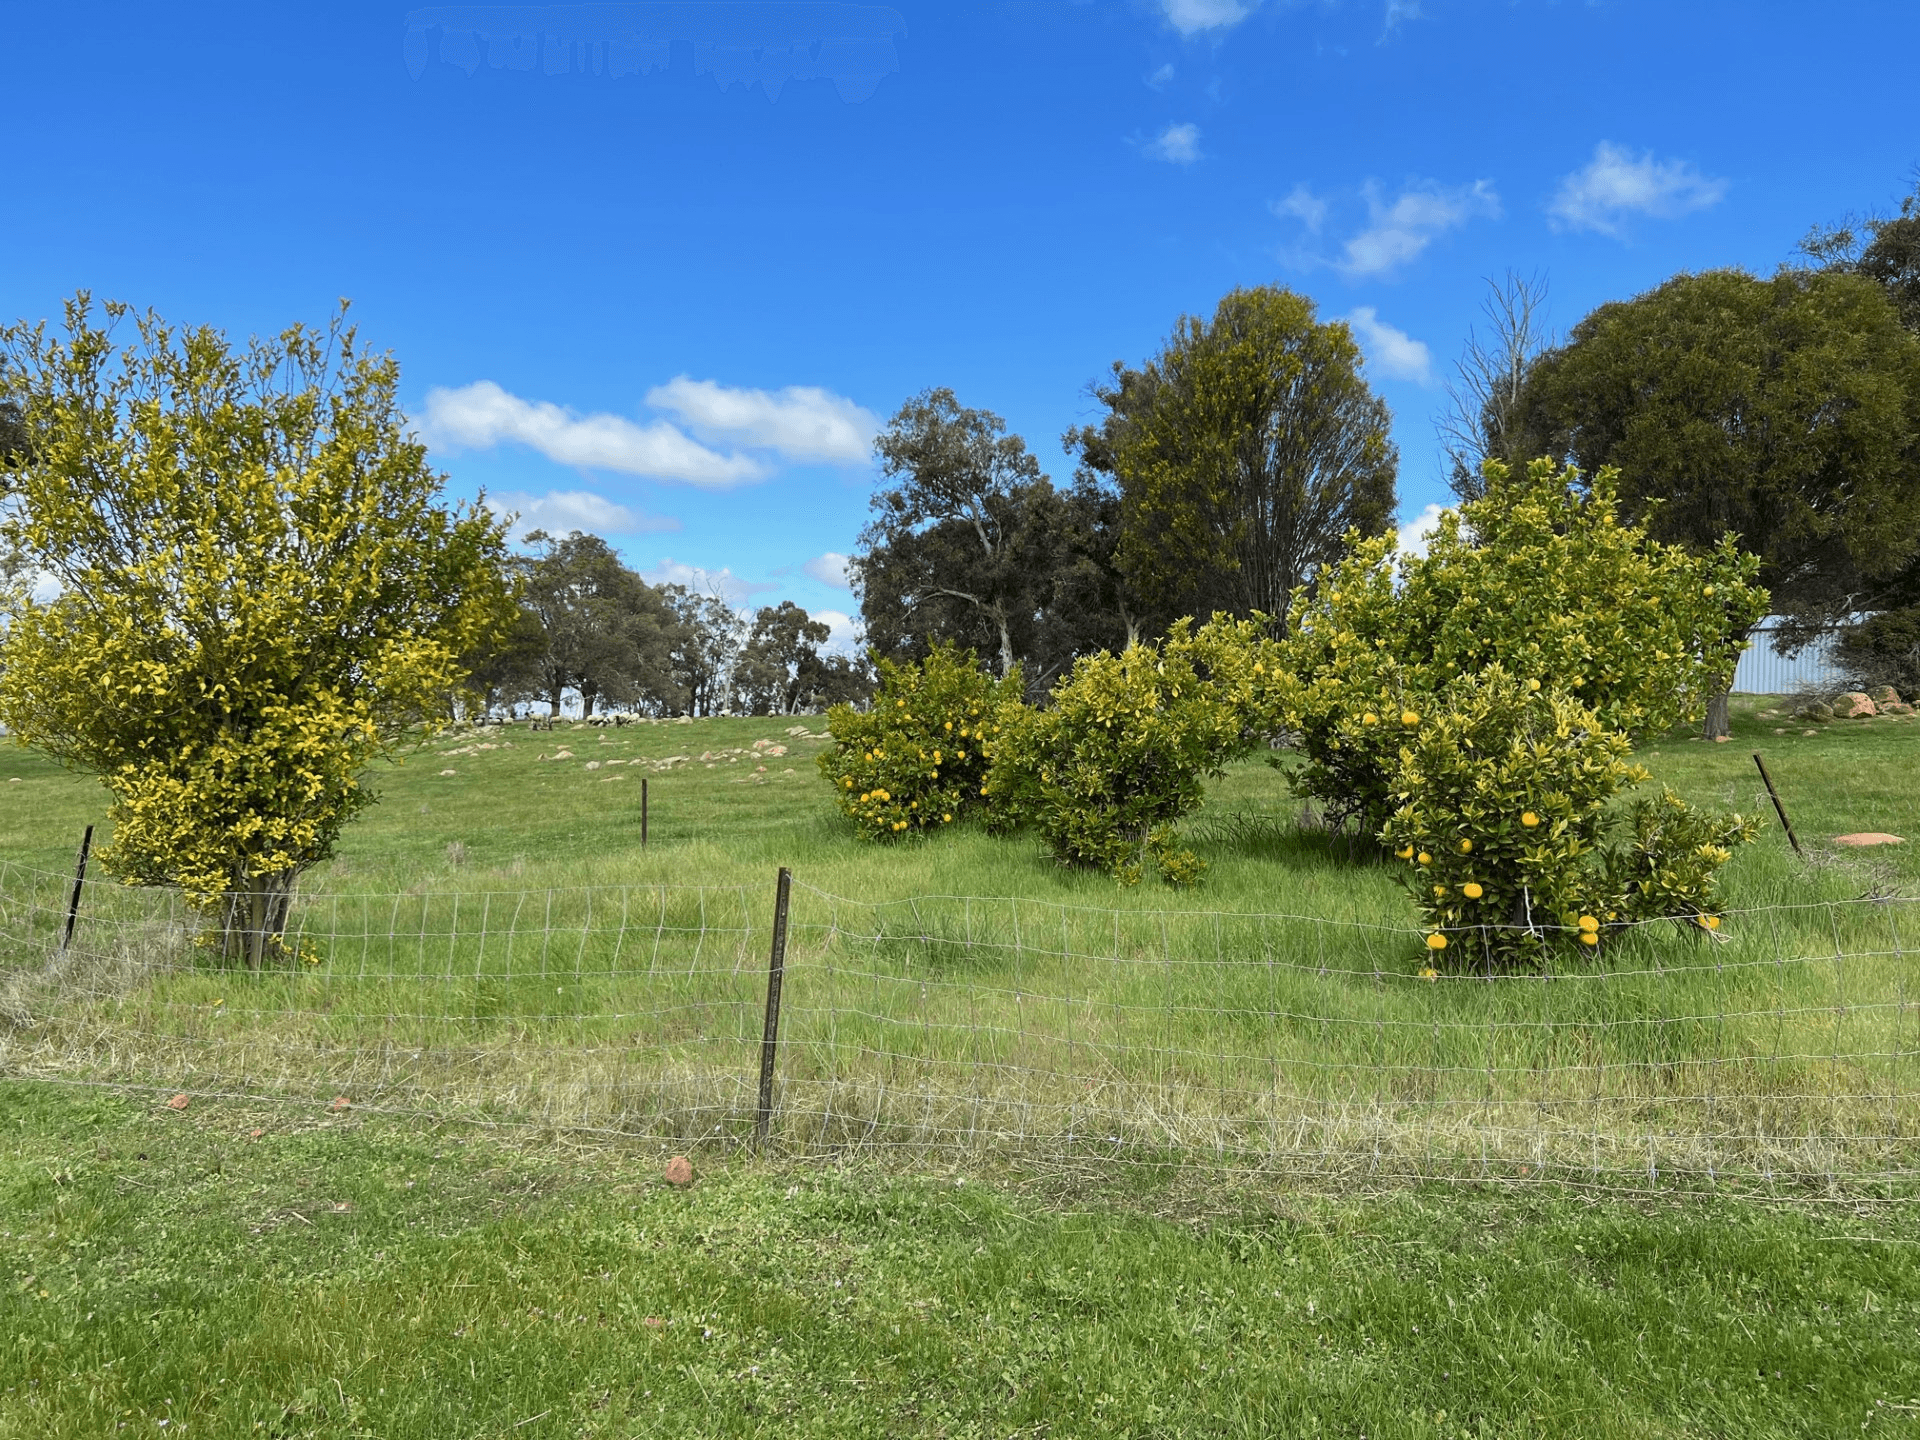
350,1276
493,943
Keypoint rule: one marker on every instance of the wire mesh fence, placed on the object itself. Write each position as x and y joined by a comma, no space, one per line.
1776,1056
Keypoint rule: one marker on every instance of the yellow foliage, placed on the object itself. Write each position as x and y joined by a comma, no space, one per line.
258,591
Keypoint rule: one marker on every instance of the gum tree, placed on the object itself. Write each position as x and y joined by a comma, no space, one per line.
258,590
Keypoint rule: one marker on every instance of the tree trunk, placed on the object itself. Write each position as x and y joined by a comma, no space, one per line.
1006,649
254,917
553,706
1716,724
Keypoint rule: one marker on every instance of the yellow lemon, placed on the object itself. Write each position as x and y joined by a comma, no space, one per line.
1706,590
946,819
1472,890
1369,718
1712,922
1587,937
1529,820
1405,852
1589,924
1438,891
1425,858
1436,941
1533,684
901,703
1409,717
1466,846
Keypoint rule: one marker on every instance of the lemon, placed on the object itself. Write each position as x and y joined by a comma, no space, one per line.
1529,819
1589,924
1369,718
1438,891
1436,942
1472,890
1425,858
1409,717
1405,852
1466,846
1587,937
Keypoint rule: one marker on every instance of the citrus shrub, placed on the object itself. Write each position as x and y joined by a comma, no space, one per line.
1539,577
1123,747
918,759
1505,827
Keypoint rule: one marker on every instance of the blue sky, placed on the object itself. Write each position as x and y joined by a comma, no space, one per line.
656,270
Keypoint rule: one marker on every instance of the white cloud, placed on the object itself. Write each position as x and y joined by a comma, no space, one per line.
1303,205
1400,230
1617,184
561,511
482,414
1162,77
1398,13
1177,144
846,632
1415,533
801,422
829,569
722,582
1391,353
1190,17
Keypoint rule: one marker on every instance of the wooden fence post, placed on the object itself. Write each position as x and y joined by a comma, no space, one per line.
770,1032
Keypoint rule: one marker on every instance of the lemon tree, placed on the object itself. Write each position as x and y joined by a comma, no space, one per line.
918,759
1508,840
1539,577
257,588
1123,747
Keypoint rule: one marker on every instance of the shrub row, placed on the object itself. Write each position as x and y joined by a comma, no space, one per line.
1472,708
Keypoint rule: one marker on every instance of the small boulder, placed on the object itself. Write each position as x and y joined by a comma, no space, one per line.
178,1102
1854,705
1884,696
679,1172
1869,837
1814,710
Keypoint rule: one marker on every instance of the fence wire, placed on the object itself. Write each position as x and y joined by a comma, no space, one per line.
954,1029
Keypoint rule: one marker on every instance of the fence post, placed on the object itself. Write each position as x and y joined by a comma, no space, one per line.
1779,809
79,879
770,1033
643,812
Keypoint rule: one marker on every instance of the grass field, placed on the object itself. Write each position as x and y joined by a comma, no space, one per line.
1051,1158
493,943
235,1271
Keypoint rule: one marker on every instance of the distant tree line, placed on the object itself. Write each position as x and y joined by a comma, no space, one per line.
592,630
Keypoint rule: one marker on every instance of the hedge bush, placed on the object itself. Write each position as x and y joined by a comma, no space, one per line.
919,758
1540,578
1123,747
1505,824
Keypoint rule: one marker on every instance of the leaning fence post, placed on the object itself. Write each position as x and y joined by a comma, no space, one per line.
79,879
770,1034
643,812
1779,809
